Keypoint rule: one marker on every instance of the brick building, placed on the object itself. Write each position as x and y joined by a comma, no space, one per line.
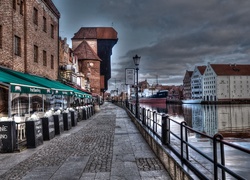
28,40
29,36
187,91
93,47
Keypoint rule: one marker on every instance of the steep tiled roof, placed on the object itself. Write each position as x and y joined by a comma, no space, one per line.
190,73
84,51
96,33
201,69
231,69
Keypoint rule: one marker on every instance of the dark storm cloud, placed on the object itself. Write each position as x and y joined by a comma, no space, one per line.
171,36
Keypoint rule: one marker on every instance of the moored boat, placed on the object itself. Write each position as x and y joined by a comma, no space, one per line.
152,100
159,97
191,101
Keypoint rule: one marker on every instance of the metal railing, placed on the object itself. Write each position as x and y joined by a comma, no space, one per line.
203,155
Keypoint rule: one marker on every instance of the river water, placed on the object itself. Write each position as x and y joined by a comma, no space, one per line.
228,120
231,121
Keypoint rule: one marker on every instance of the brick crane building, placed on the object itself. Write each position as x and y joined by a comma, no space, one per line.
93,47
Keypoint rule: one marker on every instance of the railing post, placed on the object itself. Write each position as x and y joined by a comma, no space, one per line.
168,129
186,140
182,139
148,116
143,116
154,113
139,113
220,137
164,131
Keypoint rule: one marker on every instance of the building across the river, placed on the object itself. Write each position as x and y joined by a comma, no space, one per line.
219,83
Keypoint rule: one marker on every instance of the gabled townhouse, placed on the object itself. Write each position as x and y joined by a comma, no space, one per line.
197,82
175,93
69,67
89,65
227,82
187,85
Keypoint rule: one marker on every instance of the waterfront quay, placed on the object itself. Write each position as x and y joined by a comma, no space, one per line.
207,152
106,146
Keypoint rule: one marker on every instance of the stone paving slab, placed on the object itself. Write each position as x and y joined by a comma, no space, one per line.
106,146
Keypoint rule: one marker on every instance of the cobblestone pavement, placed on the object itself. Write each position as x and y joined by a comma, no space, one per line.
106,146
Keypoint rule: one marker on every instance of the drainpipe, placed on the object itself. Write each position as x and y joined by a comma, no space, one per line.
25,36
58,51
9,101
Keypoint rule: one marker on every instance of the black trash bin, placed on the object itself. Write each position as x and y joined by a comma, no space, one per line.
58,123
74,118
79,112
67,121
48,128
34,133
84,113
8,136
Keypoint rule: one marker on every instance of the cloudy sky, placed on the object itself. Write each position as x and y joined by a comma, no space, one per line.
171,36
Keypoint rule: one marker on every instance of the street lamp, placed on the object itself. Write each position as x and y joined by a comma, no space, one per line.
136,59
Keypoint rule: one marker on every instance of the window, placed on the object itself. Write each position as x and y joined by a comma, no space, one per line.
52,31
17,45
44,58
52,62
35,16
21,7
35,53
14,4
1,36
44,24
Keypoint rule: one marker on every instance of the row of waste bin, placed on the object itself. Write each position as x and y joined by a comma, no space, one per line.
42,129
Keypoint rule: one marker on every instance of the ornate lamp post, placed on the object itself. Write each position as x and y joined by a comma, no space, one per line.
136,59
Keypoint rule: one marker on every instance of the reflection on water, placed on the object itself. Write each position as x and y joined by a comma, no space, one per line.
228,120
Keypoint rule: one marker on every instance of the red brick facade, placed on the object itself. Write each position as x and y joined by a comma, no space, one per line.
34,24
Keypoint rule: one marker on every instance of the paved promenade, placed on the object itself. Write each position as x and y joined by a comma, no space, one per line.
106,146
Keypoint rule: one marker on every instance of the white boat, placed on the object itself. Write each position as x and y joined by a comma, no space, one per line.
191,101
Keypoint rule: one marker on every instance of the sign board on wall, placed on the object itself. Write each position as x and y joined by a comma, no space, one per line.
130,76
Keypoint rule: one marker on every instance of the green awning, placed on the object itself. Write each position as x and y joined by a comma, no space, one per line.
18,85
57,87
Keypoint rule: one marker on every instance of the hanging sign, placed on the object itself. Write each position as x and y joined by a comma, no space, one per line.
130,76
